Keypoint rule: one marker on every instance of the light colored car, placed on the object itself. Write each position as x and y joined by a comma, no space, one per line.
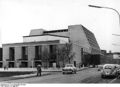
69,68
109,70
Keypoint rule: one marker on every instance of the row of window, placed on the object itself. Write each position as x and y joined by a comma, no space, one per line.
91,38
55,31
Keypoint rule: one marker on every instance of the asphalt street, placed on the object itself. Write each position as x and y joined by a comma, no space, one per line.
90,75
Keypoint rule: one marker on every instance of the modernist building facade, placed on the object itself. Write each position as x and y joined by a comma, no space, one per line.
29,52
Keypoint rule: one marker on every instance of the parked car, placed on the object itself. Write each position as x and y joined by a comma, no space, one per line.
69,68
118,71
91,66
109,70
117,65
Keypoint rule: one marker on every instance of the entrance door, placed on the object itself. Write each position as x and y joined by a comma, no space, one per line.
11,64
24,64
37,63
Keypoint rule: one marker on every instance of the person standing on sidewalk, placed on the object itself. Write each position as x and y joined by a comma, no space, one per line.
6,67
39,70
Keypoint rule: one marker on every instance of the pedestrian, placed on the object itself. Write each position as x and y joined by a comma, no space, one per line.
4,67
7,67
39,70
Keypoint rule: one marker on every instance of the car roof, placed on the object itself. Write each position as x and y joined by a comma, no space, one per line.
109,65
69,64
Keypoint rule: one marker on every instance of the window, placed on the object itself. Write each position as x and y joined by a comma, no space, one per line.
11,53
24,52
38,51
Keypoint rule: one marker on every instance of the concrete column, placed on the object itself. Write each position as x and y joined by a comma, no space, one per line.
31,55
18,55
5,55
32,63
17,64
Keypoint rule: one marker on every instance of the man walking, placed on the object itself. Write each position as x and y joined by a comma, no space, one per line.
39,70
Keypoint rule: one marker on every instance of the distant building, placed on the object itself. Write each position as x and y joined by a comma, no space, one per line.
29,52
112,58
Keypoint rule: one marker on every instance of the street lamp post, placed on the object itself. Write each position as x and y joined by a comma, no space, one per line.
94,6
116,34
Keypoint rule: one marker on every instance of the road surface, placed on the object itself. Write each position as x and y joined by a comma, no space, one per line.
90,75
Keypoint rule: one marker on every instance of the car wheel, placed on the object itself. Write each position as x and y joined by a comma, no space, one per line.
75,72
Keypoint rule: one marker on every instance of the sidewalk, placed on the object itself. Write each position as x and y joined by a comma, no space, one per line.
46,72
23,71
16,77
32,75
34,69
29,69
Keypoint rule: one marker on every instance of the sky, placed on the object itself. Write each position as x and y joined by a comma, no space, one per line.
18,17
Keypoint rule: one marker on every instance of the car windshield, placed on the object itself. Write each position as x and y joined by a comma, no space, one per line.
108,67
69,65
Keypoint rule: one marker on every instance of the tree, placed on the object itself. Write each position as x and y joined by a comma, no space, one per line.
65,53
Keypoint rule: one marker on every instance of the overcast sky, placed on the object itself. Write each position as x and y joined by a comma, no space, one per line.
20,16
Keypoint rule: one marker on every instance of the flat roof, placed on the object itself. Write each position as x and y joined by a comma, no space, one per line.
33,43
45,35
